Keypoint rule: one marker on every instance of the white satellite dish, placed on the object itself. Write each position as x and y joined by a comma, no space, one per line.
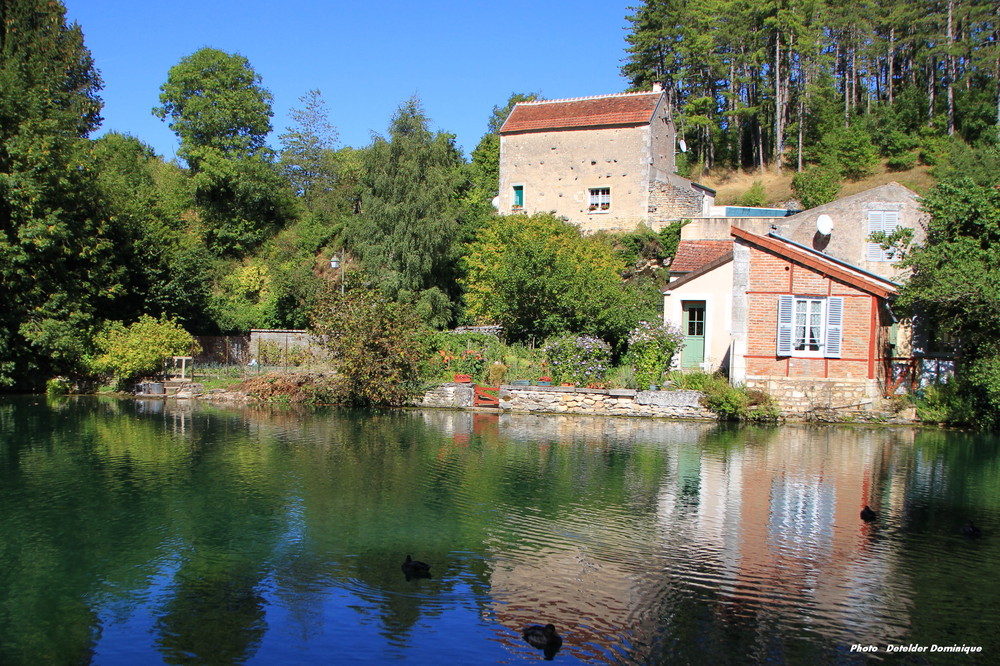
496,203
683,145
824,224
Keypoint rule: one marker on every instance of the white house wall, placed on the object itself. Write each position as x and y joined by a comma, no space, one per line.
715,288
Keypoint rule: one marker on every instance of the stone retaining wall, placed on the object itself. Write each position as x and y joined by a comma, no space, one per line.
569,400
801,397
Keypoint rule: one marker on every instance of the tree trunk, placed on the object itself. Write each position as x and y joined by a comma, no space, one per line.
779,129
951,69
892,61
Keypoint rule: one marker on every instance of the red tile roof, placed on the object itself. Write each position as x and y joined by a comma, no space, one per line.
693,254
604,111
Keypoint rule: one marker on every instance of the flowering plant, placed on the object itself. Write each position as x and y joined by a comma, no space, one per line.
580,359
651,349
545,378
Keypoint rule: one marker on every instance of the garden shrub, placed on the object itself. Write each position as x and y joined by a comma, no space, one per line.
130,352
730,403
755,196
651,349
578,359
816,186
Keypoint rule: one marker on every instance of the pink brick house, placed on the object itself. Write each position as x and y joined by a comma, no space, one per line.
813,331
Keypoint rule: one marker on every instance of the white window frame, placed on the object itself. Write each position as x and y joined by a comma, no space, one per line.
792,334
885,221
598,199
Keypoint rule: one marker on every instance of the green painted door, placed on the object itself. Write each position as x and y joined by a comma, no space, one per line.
694,334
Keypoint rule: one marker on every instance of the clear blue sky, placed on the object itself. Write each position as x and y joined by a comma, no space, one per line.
461,57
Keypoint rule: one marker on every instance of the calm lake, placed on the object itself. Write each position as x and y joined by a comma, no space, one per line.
144,532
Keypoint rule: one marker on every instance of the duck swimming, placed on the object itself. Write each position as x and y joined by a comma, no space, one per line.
544,638
415,569
867,514
969,530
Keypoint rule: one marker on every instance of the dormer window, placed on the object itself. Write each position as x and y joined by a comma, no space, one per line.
600,199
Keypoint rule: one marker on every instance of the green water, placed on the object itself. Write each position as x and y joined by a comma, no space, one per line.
144,532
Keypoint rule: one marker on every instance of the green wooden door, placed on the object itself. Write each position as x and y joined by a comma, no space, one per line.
693,327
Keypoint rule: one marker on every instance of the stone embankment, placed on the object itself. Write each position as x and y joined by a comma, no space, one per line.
571,400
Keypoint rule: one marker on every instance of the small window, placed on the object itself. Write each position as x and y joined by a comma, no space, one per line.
518,196
885,221
600,199
810,326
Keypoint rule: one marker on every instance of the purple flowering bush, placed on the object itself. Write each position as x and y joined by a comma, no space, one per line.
651,349
578,359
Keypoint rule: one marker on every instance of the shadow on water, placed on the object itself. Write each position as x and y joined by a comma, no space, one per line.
166,532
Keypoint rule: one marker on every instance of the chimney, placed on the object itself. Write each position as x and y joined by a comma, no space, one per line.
657,87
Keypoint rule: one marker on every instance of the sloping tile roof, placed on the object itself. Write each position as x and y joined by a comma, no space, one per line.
604,111
693,254
834,268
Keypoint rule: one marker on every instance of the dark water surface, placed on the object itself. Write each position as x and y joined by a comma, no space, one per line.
136,532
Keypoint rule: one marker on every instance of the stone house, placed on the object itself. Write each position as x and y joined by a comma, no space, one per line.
603,163
813,331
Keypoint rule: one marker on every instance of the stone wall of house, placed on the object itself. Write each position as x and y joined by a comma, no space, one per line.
669,201
558,169
804,396
570,400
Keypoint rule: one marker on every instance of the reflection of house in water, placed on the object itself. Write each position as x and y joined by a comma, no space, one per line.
763,536
798,540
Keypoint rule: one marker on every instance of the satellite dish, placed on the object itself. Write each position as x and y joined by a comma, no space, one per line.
496,203
683,145
824,224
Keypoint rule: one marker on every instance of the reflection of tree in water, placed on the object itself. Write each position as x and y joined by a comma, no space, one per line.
216,618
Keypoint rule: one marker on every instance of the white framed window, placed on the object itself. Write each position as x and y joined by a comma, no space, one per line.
810,326
600,199
885,221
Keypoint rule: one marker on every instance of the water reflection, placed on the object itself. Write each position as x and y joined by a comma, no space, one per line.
151,531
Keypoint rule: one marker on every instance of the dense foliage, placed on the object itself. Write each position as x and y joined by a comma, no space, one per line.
57,269
538,276
377,346
955,289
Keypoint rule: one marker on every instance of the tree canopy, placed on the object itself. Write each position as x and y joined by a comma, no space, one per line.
538,276
407,233
215,100
56,267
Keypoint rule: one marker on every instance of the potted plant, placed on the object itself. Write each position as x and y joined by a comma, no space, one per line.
545,380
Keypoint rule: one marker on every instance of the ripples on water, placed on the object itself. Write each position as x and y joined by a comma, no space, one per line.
152,533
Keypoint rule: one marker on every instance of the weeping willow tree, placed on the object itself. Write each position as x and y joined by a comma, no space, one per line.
408,231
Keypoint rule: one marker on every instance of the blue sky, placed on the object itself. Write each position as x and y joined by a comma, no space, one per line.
461,57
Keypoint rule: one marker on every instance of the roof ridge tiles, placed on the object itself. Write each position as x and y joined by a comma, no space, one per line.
580,99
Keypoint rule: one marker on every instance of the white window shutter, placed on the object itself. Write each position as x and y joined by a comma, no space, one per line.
876,222
834,326
786,303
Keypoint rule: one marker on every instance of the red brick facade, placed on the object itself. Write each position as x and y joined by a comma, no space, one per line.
777,268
